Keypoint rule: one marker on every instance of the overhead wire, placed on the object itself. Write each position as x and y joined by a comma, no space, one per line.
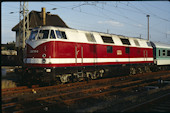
144,12
117,20
121,15
141,11
10,6
163,10
73,7
96,15
156,14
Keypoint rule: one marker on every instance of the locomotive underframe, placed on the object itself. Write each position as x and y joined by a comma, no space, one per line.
56,75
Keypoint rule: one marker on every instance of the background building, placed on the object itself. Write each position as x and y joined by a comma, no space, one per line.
36,20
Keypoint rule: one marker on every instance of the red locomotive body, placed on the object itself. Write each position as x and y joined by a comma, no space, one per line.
57,48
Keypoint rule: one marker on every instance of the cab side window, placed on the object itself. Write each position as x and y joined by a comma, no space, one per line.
61,34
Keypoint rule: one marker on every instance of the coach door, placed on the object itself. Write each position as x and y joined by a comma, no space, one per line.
145,53
78,54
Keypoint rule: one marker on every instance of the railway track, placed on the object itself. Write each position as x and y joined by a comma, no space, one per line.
158,104
78,96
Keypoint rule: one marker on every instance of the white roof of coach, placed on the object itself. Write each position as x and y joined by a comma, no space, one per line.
161,45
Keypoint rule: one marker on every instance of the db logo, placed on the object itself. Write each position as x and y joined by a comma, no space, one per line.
119,52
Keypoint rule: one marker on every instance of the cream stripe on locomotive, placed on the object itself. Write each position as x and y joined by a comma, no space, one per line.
84,60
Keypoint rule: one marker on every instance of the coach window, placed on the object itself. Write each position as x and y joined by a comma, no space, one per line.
125,41
109,49
168,53
163,53
159,52
61,34
127,50
107,39
52,35
43,34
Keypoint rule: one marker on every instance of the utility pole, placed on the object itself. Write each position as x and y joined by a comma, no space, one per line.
23,28
23,23
148,25
107,30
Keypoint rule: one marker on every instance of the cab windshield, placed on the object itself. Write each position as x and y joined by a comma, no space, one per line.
43,34
33,35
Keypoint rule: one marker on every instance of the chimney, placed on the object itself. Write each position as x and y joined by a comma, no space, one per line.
43,16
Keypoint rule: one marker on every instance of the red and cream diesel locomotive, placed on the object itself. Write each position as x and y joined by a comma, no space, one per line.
64,54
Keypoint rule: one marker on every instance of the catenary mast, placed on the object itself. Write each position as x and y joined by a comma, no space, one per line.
23,27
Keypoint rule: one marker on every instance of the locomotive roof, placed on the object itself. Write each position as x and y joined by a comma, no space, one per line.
74,35
122,36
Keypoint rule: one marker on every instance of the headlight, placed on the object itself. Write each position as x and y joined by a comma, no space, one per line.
43,60
48,70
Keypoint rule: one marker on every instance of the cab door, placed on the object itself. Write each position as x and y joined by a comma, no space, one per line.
145,54
78,54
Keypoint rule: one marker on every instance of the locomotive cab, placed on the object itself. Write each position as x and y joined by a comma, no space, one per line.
41,46
46,33
41,34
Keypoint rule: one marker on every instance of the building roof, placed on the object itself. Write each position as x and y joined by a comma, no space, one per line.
35,20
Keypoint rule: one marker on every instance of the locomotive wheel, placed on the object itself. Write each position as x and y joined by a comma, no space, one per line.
140,71
147,69
132,71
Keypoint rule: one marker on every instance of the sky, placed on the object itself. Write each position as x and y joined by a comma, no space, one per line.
126,18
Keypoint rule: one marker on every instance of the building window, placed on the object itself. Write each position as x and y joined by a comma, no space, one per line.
90,37
168,53
52,35
107,39
125,41
136,43
109,49
61,34
163,52
127,50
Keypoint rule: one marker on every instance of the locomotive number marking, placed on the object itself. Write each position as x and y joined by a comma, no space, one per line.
33,51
